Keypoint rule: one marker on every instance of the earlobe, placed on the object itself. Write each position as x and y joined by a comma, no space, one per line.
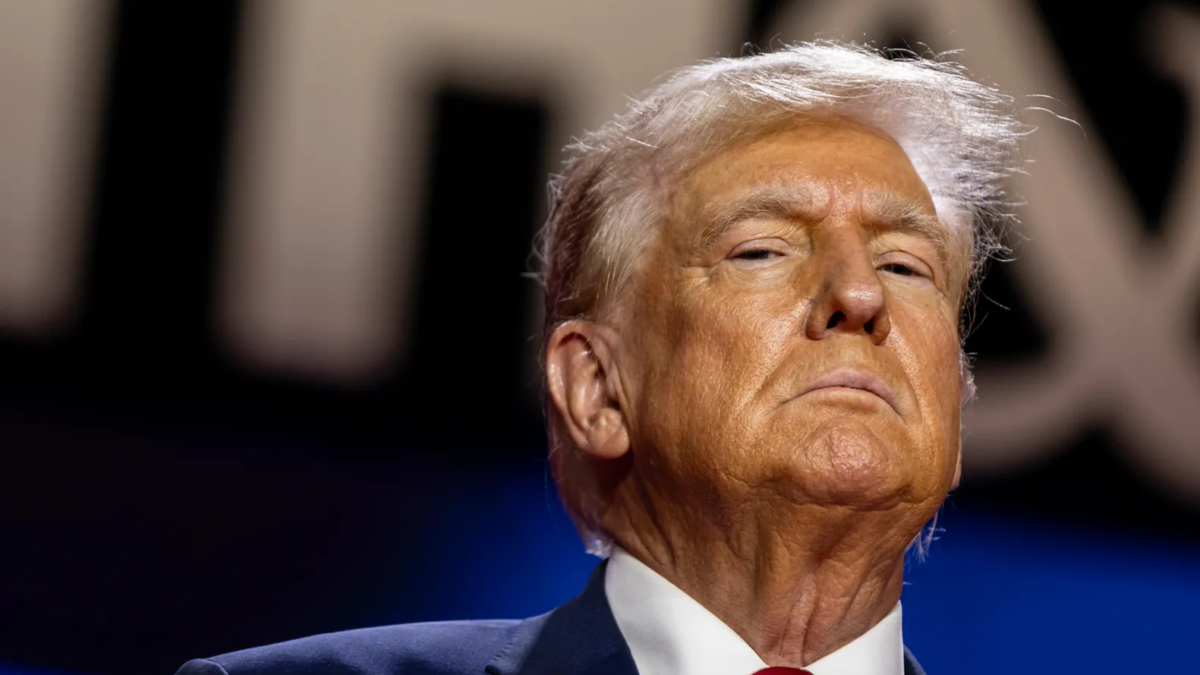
580,374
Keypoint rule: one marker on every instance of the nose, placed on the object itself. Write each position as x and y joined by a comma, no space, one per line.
850,297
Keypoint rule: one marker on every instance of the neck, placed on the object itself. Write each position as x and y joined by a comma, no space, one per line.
793,594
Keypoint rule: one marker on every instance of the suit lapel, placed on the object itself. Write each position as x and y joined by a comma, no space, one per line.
579,637
911,667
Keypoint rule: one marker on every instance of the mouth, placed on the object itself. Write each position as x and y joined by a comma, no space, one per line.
850,378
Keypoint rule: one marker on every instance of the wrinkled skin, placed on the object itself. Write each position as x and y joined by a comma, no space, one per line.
786,512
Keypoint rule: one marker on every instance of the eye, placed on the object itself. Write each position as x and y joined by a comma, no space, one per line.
760,253
899,268
756,254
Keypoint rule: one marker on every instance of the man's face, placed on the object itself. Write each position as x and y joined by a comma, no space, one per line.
793,333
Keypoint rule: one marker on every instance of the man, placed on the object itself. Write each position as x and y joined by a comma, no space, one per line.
754,282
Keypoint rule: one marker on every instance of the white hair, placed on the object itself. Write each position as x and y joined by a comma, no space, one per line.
961,136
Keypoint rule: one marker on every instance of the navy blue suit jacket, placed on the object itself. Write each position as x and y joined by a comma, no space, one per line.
578,638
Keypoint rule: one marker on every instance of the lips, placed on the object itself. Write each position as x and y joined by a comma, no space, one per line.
851,378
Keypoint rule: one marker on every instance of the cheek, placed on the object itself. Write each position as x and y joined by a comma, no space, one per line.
929,353
707,354
740,335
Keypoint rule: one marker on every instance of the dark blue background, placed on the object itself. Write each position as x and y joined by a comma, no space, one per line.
995,594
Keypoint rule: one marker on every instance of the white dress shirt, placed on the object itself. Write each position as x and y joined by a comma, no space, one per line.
669,633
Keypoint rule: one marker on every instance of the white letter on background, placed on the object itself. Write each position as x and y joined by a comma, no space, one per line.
319,255
1121,312
51,53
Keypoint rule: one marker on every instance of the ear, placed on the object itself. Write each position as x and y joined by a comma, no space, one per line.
583,381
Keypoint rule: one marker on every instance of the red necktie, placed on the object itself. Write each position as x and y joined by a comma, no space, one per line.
780,670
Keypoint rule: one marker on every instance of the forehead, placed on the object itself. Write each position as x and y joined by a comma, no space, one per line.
820,164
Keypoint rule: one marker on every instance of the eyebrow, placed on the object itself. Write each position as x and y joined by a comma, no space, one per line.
785,202
884,212
889,212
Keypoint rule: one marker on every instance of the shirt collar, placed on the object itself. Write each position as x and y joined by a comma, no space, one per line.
669,633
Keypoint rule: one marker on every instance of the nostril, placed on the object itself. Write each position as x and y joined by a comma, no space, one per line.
834,320
869,327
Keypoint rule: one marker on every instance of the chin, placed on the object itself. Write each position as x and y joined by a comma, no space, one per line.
847,463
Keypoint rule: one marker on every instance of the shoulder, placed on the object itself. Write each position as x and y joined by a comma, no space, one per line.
444,648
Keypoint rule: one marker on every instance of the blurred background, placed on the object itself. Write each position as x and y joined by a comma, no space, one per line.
261,261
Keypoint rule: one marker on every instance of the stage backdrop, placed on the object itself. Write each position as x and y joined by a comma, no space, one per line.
239,240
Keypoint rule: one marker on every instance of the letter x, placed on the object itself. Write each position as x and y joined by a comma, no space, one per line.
1120,308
